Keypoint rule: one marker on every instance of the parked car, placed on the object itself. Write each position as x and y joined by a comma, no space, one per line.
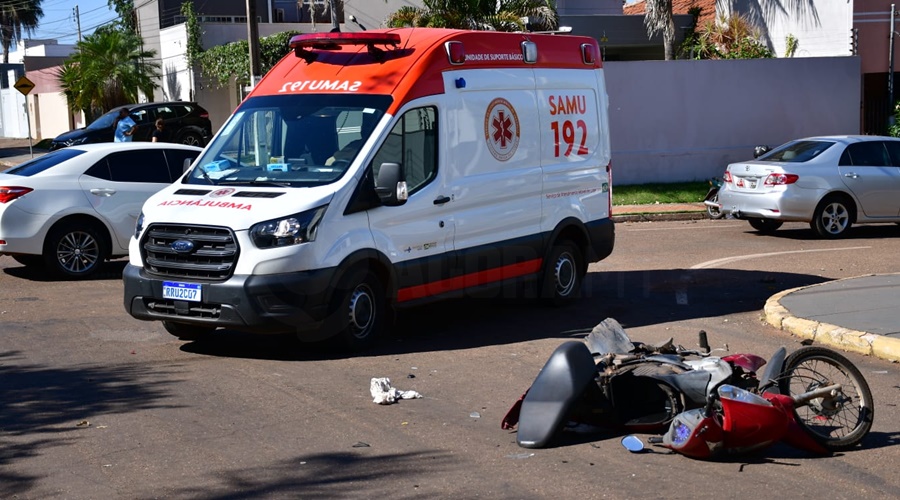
73,208
831,182
186,123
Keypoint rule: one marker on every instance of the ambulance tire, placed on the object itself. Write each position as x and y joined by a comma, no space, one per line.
185,331
563,274
361,311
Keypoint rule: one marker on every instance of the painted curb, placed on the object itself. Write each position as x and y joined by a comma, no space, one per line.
838,337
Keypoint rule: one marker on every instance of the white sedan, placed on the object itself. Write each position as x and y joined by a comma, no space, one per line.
830,182
73,208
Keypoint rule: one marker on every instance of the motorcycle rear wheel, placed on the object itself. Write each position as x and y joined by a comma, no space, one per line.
714,212
838,423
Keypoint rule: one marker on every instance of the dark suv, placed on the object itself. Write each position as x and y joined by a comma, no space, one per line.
186,123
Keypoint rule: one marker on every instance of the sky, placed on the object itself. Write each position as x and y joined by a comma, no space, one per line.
59,19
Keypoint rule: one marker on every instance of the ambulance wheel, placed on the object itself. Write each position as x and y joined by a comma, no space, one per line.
185,331
563,273
361,311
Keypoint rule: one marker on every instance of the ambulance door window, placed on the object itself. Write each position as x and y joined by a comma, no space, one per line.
413,144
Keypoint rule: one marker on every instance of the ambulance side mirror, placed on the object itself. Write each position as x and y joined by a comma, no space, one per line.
388,185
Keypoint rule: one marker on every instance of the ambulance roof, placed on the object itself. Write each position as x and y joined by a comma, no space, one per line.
408,63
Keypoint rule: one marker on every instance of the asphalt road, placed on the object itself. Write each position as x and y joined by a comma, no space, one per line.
94,404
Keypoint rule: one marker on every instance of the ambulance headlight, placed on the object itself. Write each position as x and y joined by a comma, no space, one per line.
290,230
139,226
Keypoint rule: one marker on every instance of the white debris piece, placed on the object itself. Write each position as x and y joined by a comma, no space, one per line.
384,394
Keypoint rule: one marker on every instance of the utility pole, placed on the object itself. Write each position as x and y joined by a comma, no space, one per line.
891,72
253,41
77,21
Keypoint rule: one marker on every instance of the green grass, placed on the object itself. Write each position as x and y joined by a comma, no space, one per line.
649,194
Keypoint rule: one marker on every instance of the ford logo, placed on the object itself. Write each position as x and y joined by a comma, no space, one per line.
182,246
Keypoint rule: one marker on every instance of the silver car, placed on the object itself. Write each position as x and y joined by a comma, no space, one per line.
831,182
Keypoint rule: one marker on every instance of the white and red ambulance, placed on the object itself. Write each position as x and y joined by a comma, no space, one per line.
374,170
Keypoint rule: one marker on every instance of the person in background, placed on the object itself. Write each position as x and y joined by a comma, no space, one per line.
124,129
160,134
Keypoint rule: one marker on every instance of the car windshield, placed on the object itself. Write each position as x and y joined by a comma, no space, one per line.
797,152
44,162
105,121
290,140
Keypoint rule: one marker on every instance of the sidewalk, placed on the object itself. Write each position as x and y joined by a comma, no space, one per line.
854,314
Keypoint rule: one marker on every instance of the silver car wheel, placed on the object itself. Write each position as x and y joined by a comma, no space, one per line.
835,218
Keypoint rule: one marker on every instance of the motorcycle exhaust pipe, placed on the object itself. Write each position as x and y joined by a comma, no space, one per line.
829,391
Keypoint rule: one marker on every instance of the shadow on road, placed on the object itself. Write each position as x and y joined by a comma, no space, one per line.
111,270
634,298
801,233
45,407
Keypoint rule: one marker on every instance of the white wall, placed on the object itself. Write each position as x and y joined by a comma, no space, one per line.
674,121
822,27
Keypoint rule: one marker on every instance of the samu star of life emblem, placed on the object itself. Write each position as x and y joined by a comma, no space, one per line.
501,129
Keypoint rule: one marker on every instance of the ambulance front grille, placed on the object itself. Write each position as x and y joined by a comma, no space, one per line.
192,252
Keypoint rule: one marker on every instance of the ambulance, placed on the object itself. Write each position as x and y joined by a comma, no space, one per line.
375,170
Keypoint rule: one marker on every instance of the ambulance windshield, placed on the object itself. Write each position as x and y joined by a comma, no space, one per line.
290,140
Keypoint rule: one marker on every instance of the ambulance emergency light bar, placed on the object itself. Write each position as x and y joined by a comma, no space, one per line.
334,41
456,52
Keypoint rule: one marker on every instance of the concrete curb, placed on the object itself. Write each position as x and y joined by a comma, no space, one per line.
869,344
655,216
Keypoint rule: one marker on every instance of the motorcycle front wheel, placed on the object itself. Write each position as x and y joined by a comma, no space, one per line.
839,422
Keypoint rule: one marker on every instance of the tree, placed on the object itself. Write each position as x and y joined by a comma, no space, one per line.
224,63
194,35
108,69
17,17
502,15
127,16
731,38
658,18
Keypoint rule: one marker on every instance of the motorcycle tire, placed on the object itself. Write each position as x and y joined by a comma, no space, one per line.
838,423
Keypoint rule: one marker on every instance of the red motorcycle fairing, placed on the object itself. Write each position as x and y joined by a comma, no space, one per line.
750,363
695,434
750,421
795,435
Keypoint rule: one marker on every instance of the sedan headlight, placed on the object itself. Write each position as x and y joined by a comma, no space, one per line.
290,230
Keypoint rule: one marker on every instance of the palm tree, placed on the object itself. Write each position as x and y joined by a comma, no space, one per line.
502,15
658,17
108,69
17,17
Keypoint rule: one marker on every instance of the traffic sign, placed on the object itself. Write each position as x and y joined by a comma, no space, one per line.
24,85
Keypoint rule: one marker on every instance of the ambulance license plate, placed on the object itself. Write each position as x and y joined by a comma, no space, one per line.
181,291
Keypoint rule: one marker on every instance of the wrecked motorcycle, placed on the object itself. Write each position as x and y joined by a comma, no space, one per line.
711,200
610,382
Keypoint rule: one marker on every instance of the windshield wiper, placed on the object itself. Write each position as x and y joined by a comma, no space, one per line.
254,183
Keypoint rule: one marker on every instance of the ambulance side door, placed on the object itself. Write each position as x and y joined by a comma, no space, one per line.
493,170
417,236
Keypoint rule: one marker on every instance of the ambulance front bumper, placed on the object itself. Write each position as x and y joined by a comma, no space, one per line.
280,303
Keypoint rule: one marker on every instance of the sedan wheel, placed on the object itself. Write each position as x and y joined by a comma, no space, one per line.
765,226
831,219
74,252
